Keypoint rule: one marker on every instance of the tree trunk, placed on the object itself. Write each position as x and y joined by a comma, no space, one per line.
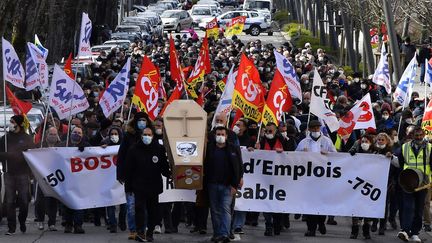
393,40
369,58
405,29
311,14
349,41
332,29
304,14
321,24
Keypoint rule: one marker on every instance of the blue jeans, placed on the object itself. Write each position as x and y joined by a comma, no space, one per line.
220,208
422,72
239,219
413,205
111,214
130,206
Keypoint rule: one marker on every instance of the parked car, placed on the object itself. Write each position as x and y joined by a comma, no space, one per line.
255,24
35,117
96,50
175,3
209,2
225,3
176,20
199,12
121,43
139,8
155,21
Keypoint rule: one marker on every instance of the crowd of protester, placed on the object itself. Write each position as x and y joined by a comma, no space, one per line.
138,138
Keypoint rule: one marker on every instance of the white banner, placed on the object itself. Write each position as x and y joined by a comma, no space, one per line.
66,97
85,34
382,72
225,101
113,97
13,71
403,91
289,74
79,180
42,67
170,194
320,103
311,183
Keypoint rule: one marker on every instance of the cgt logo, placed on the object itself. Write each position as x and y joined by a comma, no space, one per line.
92,163
251,91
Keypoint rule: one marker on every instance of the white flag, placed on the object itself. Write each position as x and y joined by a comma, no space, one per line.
84,41
39,45
225,101
13,71
42,66
113,97
66,97
366,118
428,73
320,103
31,71
404,89
289,74
382,73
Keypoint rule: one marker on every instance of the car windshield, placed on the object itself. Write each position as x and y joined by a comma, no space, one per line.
169,14
258,5
201,11
127,29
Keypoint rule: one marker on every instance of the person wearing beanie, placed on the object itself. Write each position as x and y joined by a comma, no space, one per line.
96,140
16,172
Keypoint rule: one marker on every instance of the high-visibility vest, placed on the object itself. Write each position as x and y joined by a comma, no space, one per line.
413,162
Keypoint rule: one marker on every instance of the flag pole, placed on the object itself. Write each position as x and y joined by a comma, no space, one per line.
70,111
4,127
259,133
425,87
44,127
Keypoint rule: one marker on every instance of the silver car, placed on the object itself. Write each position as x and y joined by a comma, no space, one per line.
176,20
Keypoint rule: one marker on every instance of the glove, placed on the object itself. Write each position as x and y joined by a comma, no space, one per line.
353,152
81,148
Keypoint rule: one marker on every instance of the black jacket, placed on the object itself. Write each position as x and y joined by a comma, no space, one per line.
144,166
235,160
16,143
129,140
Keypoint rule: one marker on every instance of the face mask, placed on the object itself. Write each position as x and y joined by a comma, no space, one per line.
114,138
147,139
75,138
315,134
409,120
94,132
268,69
363,86
96,94
219,125
236,129
306,81
386,117
158,131
356,80
78,80
269,135
11,127
365,146
80,115
284,134
220,139
380,146
96,74
141,125
52,138
395,139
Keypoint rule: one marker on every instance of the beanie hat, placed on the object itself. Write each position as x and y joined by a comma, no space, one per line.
19,119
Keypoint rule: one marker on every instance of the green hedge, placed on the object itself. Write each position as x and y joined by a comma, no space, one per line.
281,16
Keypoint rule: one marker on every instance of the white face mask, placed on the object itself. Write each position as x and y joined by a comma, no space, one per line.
284,134
315,134
363,86
380,146
220,139
115,138
409,120
11,127
386,117
219,125
236,129
356,80
269,135
158,131
395,139
365,146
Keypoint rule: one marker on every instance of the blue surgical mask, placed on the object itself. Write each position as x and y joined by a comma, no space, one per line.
141,125
147,139
75,138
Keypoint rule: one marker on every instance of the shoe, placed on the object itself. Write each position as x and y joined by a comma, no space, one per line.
157,230
366,231
149,237
309,233
297,216
10,232
68,229
194,230
277,232
78,230
231,236
202,232
381,231
268,232
238,231
427,228
40,225
23,228
403,235
132,235
393,224
225,240
52,228
354,231
415,238
287,224
97,222
140,237
331,221
322,229
113,228
122,226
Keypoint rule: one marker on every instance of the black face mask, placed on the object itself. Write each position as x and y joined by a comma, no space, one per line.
253,131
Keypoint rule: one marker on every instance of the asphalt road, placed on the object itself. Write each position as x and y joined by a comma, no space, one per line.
335,234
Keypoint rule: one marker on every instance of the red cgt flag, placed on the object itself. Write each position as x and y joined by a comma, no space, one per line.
248,91
68,67
278,100
19,107
146,94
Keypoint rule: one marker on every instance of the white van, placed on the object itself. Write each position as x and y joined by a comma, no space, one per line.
263,6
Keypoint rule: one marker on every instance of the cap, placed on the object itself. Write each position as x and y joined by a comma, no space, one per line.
314,123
